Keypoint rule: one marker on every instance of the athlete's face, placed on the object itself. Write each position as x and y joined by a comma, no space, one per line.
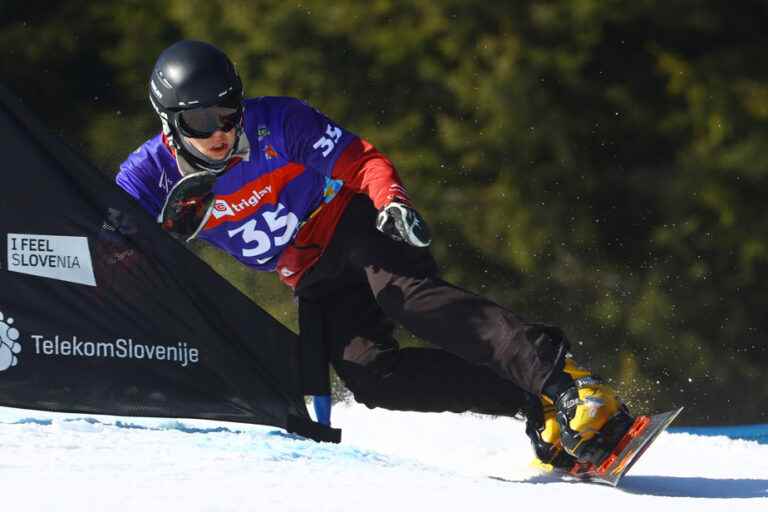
215,147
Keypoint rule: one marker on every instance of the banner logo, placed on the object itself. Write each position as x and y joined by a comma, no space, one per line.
181,353
66,258
9,346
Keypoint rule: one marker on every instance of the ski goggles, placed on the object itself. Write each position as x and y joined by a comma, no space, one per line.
201,123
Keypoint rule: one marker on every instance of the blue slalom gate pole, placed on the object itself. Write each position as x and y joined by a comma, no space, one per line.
322,405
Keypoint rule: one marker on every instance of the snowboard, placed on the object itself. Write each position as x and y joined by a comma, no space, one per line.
638,438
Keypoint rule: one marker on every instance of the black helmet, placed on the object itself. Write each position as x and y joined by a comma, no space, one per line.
195,90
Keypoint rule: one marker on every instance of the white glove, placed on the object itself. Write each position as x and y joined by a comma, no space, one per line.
401,222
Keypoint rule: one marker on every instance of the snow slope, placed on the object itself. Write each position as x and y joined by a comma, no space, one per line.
388,461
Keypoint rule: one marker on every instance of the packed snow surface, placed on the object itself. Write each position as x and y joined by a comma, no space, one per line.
388,461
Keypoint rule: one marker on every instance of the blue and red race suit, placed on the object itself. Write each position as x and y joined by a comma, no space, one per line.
275,209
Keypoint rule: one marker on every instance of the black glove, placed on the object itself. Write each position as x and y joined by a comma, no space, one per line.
401,222
188,205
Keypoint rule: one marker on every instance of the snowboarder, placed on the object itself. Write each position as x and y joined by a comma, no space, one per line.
281,187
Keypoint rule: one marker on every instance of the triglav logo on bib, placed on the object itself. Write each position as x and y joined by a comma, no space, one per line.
221,209
9,346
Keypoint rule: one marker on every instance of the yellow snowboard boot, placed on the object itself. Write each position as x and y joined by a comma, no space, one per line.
591,417
543,430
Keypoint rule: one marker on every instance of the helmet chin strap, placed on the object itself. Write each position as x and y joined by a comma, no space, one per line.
208,164
195,158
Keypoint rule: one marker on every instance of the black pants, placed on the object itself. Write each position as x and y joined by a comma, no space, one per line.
489,359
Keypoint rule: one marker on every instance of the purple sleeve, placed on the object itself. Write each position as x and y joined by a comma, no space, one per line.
312,139
138,176
130,184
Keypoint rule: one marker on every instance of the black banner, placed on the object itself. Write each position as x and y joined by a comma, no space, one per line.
102,312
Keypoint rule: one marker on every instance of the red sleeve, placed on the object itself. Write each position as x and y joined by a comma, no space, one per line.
363,168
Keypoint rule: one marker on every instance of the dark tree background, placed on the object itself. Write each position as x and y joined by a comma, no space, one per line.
600,164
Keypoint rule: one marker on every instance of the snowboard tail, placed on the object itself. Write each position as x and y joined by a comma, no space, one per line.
637,439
